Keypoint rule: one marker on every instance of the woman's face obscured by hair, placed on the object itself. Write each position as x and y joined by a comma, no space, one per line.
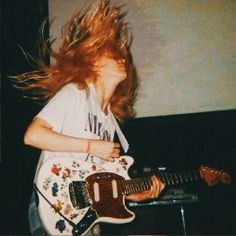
111,70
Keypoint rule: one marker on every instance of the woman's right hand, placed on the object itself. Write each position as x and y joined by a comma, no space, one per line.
104,149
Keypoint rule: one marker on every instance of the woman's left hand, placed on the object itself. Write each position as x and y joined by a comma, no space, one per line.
153,192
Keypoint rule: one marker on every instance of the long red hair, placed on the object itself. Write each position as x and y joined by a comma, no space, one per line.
86,37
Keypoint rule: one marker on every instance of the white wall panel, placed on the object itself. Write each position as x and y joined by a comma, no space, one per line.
184,51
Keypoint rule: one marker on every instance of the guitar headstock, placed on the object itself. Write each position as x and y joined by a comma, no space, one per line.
213,176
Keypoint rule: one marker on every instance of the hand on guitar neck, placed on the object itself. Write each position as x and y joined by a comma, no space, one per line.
154,191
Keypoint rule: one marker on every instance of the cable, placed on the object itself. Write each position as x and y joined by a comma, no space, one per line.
183,219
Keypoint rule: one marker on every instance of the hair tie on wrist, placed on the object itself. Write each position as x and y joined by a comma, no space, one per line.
88,146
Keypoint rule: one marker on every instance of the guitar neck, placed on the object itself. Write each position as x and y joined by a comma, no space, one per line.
140,184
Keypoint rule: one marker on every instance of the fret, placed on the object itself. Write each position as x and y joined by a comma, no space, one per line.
195,174
171,179
125,187
136,185
180,177
185,177
166,178
149,183
190,176
128,186
142,184
122,185
145,185
176,178
131,186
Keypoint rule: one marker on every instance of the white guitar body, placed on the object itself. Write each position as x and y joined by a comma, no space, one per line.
95,203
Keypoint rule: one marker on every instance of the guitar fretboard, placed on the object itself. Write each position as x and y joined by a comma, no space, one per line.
140,184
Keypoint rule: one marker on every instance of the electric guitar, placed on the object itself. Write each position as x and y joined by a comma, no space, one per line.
74,195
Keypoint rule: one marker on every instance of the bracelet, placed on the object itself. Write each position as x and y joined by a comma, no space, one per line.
88,146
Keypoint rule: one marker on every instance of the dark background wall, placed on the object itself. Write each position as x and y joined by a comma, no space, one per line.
20,22
177,142
185,142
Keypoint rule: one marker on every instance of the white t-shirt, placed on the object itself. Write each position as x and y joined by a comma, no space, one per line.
76,113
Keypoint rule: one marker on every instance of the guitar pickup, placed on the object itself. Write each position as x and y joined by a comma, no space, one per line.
79,195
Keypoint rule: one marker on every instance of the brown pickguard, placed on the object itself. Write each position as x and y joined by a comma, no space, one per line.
107,206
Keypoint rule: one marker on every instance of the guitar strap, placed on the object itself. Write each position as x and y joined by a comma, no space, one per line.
129,152
56,210
122,140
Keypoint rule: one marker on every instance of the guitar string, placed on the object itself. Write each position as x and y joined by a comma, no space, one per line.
141,183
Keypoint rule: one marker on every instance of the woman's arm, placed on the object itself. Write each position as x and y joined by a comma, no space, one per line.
39,134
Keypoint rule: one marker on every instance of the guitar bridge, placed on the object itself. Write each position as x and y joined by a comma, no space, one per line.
79,195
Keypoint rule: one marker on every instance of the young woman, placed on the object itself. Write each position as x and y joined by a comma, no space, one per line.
89,86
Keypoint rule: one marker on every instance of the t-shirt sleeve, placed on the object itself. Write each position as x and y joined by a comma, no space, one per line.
55,111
